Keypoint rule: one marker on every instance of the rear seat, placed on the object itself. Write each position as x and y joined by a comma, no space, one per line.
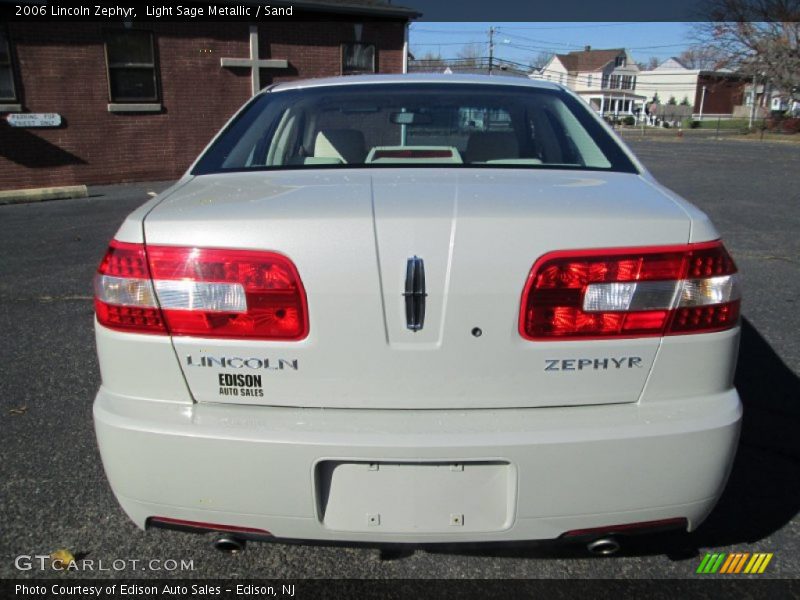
491,145
347,145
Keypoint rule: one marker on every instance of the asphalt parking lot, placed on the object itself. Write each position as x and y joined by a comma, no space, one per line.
55,495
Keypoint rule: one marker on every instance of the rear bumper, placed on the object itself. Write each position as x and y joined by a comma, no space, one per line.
550,470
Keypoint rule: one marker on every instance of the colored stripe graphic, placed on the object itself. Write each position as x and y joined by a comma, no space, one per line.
703,563
754,564
728,564
740,564
758,563
736,562
765,563
711,563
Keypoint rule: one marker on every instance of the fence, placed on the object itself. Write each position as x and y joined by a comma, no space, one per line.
717,127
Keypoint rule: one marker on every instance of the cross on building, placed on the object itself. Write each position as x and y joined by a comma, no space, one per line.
254,63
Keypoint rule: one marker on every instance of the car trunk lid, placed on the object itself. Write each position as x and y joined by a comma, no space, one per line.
476,233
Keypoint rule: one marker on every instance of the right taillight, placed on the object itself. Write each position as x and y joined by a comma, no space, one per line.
202,292
630,292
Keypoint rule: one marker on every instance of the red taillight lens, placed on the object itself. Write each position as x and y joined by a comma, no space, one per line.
229,293
201,292
630,292
124,298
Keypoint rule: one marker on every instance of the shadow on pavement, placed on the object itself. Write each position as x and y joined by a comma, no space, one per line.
761,494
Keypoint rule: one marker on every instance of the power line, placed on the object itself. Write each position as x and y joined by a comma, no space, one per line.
448,32
552,51
577,78
522,37
470,43
592,26
554,43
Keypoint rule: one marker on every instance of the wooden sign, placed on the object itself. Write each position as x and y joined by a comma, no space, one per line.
34,119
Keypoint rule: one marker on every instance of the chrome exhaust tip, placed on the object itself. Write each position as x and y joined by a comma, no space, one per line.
229,544
603,546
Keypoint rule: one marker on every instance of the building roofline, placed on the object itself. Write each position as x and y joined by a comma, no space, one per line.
575,56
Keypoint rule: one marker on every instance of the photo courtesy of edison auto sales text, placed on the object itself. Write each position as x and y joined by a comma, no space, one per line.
178,590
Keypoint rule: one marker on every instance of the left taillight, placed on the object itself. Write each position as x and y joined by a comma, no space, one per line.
202,292
124,297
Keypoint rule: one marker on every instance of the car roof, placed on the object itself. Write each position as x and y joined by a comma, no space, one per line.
401,78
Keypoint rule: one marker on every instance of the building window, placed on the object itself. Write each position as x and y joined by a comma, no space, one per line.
130,56
620,61
358,58
589,81
8,90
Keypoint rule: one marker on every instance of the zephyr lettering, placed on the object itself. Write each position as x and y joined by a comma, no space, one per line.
592,364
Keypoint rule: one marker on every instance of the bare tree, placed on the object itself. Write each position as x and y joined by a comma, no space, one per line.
705,58
758,37
431,62
471,55
651,63
540,61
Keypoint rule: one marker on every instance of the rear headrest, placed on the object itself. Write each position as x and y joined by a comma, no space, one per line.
491,145
345,144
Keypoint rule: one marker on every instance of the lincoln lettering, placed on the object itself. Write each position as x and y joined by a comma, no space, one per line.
596,364
237,362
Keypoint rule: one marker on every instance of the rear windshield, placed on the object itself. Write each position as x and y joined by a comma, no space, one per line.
414,125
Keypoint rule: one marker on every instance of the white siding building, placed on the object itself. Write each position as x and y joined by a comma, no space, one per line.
606,79
706,92
670,79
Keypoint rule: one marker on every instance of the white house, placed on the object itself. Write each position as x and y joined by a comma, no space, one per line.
670,79
606,79
715,92
783,102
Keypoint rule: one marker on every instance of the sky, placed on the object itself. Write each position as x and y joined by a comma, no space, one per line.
519,42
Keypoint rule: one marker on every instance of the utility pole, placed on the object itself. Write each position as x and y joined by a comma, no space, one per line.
702,101
491,48
753,105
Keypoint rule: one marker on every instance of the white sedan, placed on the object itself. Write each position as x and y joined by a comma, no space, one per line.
417,309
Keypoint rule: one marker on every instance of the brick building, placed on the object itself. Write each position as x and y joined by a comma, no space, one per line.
138,101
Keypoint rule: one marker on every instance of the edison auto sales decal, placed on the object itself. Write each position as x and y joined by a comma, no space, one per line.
240,385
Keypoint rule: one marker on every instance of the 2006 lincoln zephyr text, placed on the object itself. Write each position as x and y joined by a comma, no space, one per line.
417,309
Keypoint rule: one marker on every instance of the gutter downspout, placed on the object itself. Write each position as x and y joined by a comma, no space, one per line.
405,47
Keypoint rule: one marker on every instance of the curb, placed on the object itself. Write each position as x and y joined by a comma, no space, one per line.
39,194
